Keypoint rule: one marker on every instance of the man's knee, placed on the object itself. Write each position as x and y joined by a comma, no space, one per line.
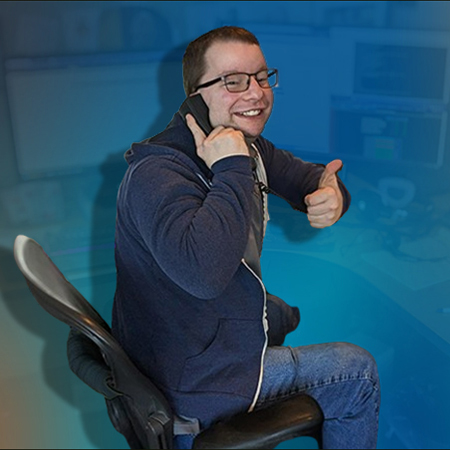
360,367
357,358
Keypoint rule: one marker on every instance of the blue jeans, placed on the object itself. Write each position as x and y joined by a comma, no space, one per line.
343,378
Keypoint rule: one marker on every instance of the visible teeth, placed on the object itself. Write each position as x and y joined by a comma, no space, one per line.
253,112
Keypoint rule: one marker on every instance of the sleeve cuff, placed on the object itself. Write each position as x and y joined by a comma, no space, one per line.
237,160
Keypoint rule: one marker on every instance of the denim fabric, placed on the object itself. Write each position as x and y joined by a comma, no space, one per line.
183,441
343,378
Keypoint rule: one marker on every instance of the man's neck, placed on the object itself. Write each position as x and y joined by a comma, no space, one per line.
249,140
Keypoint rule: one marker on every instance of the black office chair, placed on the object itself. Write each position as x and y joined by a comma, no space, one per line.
137,409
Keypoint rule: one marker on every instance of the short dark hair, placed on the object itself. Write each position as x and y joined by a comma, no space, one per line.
194,56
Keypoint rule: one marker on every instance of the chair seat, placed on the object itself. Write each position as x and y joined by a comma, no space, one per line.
266,427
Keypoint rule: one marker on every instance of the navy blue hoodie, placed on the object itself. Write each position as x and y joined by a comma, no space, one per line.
188,309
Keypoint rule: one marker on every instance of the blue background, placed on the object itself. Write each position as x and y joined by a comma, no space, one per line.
366,82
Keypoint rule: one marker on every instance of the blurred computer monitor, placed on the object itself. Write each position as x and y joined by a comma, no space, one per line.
72,113
390,95
365,95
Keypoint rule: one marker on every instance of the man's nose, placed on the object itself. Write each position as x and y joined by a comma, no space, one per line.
254,91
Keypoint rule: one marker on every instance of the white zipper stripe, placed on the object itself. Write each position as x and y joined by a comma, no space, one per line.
205,182
264,319
266,328
262,176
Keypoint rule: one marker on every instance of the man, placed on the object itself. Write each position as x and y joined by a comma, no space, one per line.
190,308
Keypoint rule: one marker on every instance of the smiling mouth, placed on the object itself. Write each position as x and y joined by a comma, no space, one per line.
250,113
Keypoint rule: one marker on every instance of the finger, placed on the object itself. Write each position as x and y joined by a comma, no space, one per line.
322,220
215,132
318,197
197,132
317,224
321,209
329,175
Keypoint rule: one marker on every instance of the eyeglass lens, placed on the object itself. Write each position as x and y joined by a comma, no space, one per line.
238,82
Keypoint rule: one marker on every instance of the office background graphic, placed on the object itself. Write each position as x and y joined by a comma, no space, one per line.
367,82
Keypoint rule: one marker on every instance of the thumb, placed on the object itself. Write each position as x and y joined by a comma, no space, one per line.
328,177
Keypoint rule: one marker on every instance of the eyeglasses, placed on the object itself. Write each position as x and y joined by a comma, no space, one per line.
240,82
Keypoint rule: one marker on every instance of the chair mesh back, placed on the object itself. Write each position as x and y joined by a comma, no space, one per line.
48,284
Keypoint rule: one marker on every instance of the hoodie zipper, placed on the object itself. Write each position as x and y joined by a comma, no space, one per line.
267,190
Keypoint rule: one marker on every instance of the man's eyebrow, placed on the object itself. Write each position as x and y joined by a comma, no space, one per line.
231,72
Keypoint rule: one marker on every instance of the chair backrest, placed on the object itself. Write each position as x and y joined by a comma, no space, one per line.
137,397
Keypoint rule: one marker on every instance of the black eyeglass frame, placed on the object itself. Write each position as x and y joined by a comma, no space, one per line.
270,72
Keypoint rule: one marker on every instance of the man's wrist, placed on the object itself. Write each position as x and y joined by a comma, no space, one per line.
231,161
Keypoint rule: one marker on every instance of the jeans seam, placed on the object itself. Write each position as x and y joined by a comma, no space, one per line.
332,380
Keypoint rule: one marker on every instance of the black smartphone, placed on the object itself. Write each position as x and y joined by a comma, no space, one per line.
196,106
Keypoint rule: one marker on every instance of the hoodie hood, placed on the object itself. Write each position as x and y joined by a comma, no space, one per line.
175,138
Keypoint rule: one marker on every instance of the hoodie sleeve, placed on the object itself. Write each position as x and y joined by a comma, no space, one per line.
197,234
292,178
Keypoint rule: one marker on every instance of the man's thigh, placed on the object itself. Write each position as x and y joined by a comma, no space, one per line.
331,366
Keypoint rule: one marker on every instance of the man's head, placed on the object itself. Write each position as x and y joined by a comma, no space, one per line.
221,52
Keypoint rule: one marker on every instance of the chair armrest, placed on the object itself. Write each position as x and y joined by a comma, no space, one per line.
266,427
87,363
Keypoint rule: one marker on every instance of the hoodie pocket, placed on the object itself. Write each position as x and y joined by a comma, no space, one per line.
230,362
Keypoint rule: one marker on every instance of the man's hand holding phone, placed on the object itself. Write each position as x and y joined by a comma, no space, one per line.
220,143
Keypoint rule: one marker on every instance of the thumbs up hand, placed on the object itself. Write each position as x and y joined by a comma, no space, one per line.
324,206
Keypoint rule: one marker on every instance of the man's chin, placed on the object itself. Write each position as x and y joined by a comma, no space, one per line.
251,131
252,135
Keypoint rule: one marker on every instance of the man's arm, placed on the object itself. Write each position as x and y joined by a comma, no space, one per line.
306,185
197,235
282,318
